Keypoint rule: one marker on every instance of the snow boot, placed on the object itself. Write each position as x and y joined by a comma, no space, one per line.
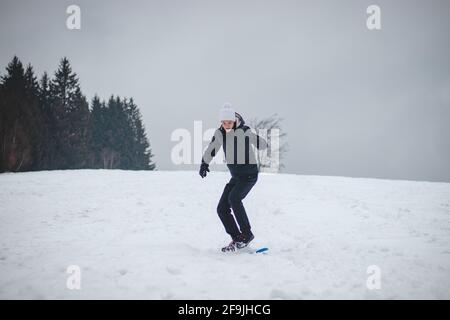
230,248
244,239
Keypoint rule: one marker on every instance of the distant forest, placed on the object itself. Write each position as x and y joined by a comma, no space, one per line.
48,124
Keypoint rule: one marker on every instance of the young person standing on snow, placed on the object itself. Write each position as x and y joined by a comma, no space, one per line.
237,139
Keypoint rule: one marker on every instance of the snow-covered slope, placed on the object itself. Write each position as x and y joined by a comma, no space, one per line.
156,235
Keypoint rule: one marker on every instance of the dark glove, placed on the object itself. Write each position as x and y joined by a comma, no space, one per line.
204,167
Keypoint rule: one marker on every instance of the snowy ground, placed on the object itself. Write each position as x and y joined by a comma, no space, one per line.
156,235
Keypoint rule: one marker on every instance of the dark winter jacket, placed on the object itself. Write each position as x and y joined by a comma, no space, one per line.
243,160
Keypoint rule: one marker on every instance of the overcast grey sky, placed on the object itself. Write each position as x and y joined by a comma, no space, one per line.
356,102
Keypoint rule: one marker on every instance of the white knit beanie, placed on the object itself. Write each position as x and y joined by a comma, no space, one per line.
227,113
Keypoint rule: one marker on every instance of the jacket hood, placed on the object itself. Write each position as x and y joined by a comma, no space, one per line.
239,121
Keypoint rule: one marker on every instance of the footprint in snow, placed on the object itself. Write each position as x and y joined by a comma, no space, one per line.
123,272
173,271
277,212
279,294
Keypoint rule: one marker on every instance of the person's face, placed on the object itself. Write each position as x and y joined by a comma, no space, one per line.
227,125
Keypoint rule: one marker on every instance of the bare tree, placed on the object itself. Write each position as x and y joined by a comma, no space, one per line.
269,124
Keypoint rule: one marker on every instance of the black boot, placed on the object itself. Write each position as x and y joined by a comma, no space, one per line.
230,248
244,239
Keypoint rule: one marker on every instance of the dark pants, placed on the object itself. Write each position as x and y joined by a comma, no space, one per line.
233,193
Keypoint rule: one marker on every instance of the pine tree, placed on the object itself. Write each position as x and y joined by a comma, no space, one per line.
72,119
141,147
36,122
98,129
107,136
20,118
48,123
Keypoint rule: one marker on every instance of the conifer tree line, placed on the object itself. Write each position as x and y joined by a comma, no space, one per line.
48,124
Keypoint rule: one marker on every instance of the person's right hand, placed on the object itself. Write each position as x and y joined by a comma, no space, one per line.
204,167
